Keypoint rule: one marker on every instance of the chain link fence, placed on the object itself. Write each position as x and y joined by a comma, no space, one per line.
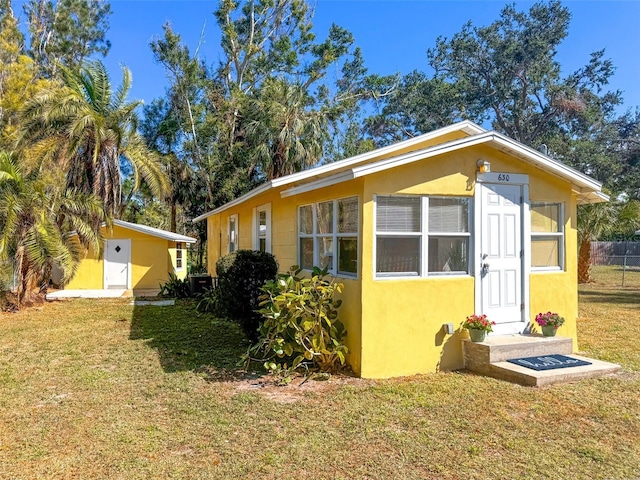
616,263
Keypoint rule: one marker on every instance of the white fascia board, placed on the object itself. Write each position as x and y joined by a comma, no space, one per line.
155,232
317,184
466,126
253,193
548,163
420,154
501,142
592,197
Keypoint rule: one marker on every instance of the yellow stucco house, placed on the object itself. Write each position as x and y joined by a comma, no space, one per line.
423,233
136,257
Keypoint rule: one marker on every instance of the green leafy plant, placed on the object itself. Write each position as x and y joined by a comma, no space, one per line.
478,322
241,275
207,301
301,328
175,287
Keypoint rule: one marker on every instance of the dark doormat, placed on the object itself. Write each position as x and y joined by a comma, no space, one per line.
548,362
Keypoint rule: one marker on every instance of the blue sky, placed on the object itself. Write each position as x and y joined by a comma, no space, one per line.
394,35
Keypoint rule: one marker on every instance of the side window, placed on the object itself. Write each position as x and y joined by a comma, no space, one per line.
328,235
547,236
179,251
233,233
262,228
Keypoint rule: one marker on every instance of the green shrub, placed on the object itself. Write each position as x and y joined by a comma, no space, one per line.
208,301
301,326
175,288
241,275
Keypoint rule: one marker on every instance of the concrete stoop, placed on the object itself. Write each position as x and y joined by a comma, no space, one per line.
490,358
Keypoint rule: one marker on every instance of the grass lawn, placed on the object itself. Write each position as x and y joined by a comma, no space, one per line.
103,389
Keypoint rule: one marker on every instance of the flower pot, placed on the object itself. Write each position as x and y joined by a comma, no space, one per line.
549,331
477,335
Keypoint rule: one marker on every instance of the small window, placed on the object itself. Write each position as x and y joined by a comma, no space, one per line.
233,233
399,236
262,228
178,255
448,227
547,236
328,235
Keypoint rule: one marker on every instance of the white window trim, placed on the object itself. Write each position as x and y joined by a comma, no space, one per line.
235,232
182,258
560,234
335,235
424,235
255,233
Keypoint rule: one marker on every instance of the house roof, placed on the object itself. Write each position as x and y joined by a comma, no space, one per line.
587,189
155,232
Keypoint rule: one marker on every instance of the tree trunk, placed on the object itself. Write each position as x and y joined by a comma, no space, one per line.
173,216
584,261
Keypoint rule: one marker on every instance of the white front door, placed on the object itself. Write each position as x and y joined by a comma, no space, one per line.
117,260
501,271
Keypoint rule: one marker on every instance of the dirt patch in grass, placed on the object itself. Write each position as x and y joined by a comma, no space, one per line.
299,388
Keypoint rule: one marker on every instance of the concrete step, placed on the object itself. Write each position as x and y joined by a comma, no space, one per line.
504,347
489,358
533,378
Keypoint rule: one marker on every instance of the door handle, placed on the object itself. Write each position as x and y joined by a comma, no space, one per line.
485,268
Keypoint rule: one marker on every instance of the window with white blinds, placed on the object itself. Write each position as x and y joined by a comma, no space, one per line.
547,236
328,236
418,234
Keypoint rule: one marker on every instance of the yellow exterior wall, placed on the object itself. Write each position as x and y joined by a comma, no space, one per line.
284,239
395,325
402,319
151,260
550,291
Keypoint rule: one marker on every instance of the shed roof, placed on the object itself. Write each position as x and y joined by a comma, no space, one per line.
587,189
155,232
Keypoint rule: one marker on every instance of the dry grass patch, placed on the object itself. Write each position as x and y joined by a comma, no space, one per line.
103,389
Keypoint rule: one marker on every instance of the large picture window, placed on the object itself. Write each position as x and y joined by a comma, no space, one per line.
547,236
328,235
418,234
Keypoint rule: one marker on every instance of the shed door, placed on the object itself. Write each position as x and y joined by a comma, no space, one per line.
117,262
501,256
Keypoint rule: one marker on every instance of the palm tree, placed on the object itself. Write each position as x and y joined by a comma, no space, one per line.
88,129
601,219
42,224
286,130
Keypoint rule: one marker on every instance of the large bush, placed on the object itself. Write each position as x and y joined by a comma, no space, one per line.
241,275
301,326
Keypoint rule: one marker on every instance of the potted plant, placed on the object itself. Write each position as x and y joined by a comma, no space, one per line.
549,323
478,326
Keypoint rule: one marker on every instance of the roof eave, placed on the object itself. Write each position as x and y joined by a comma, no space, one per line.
252,193
156,232
317,174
